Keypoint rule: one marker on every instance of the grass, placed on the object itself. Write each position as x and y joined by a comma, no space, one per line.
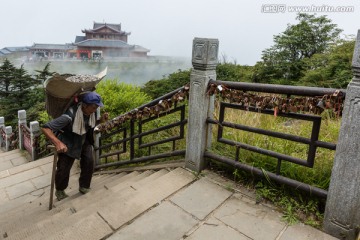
295,205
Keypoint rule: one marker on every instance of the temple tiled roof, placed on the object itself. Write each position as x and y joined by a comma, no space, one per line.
103,43
9,50
17,49
4,51
114,27
80,39
137,48
52,46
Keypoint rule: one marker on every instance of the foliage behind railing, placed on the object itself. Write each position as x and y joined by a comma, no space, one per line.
269,99
153,126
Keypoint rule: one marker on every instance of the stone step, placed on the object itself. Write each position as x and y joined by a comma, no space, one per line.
12,159
42,202
27,206
25,167
72,226
95,197
34,199
3,154
23,183
37,211
126,208
76,197
155,191
74,202
135,204
125,187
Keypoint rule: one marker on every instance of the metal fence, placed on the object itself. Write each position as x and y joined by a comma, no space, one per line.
151,132
283,101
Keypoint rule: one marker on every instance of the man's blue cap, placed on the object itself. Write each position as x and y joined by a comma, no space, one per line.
92,97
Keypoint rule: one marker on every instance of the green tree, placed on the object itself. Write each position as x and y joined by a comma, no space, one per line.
312,35
158,88
6,75
119,98
332,68
45,73
16,94
20,90
234,72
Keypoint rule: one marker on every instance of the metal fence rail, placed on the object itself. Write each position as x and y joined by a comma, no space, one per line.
312,142
133,136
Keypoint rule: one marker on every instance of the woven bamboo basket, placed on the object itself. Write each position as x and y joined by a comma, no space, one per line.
61,90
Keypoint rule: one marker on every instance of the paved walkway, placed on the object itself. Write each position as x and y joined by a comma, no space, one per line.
204,209
207,210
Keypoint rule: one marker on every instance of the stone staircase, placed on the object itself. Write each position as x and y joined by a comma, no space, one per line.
114,200
165,202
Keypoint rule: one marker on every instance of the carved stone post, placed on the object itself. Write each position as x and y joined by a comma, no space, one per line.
204,61
342,213
34,134
8,132
22,120
2,125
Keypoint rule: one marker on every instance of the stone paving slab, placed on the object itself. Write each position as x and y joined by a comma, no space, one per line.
227,183
165,221
4,173
19,161
3,196
11,156
254,221
215,230
20,189
199,198
47,168
16,202
5,153
304,232
30,165
20,177
91,227
5,165
42,181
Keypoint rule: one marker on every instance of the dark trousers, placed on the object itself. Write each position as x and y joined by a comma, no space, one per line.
65,163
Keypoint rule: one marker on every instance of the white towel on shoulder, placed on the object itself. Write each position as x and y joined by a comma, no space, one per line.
79,123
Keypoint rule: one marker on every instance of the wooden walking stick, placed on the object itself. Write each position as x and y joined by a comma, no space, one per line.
53,176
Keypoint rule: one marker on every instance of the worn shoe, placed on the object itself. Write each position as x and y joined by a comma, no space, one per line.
84,190
60,194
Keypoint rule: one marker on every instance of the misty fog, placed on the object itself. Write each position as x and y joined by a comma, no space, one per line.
132,71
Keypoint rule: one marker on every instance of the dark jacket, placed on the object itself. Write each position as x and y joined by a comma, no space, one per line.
62,127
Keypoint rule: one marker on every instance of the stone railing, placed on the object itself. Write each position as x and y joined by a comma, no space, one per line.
342,214
29,136
25,138
6,136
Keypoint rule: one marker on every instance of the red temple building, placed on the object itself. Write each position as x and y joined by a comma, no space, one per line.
103,41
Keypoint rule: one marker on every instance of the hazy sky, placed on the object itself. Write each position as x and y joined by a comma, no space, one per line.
167,27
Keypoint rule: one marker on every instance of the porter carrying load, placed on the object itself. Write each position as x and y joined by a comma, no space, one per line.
63,90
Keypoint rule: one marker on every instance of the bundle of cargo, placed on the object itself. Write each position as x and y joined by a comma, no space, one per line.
62,90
